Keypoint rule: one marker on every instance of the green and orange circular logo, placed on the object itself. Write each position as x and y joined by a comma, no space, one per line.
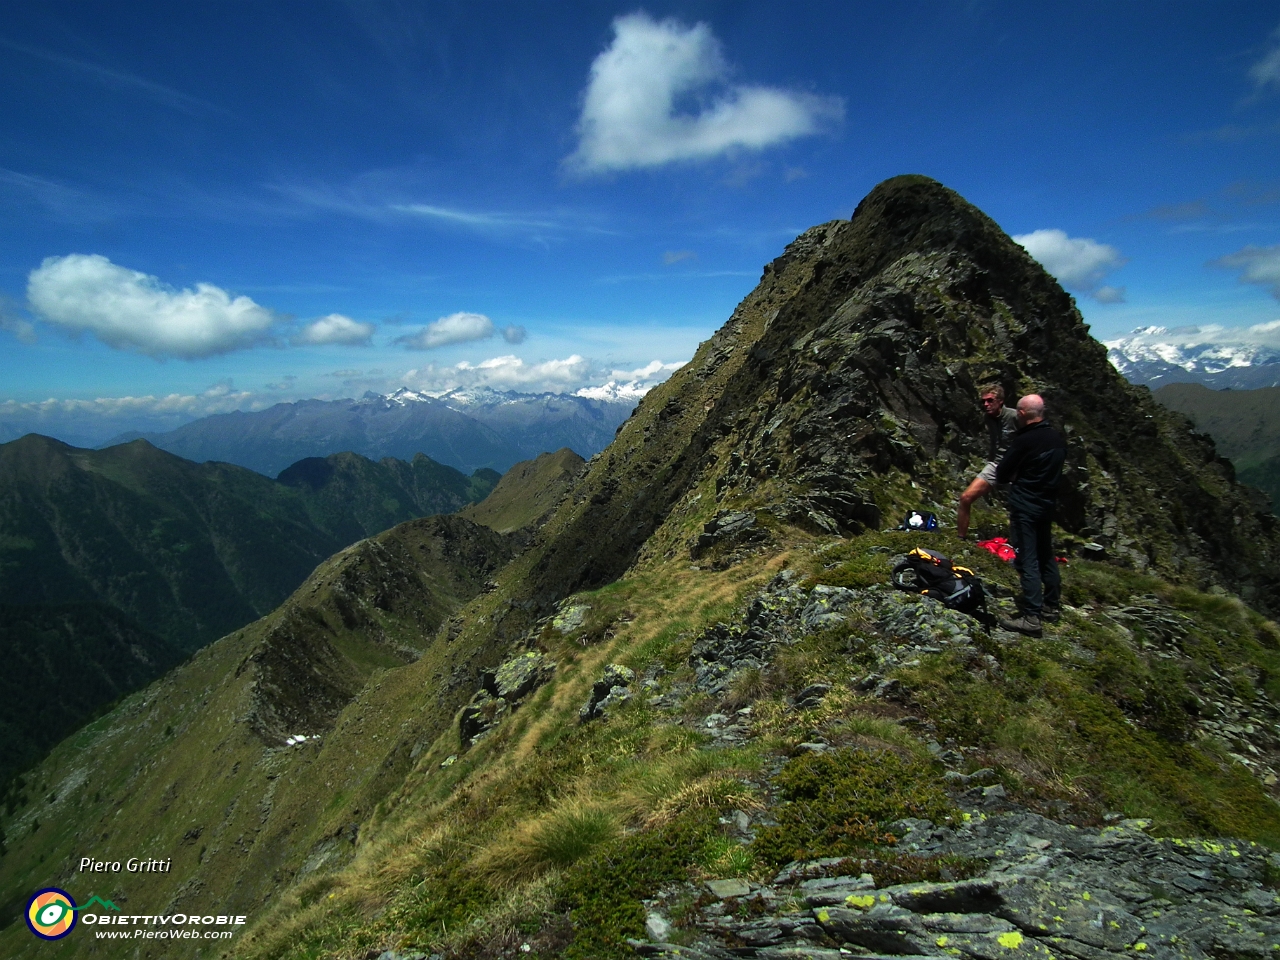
51,913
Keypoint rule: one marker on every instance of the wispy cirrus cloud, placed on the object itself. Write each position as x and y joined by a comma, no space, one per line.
631,114
14,323
1080,263
65,202
1258,265
385,203
1266,71
119,80
468,218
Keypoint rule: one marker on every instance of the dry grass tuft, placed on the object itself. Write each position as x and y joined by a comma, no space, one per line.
716,791
569,832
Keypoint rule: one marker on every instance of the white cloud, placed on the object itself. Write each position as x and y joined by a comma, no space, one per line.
1266,72
335,328
459,328
12,322
1260,265
1076,262
501,373
573,374
512,373
91,422
1258,335
455,328
130,310
654,370
630,116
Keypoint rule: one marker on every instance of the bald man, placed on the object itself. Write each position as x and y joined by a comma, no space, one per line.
1032,467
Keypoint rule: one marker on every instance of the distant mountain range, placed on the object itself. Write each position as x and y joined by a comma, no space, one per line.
193,551
466,429
1154,356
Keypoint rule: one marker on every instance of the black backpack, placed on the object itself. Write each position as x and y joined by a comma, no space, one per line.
933,575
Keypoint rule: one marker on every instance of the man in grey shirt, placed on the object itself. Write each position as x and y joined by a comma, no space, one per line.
1002,424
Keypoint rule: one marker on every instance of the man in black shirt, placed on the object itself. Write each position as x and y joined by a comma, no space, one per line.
1033,469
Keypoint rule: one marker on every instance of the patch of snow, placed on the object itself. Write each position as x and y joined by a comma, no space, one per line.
614,392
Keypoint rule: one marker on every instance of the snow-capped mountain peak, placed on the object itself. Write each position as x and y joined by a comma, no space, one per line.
614,392
1156,355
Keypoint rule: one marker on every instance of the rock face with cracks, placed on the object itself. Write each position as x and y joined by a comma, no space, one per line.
1051,891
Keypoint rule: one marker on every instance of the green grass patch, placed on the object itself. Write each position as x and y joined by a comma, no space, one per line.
572,832
603,895
839,803
890,868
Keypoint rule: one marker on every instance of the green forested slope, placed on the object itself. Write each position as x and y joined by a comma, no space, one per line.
1244,424
61,664
117,563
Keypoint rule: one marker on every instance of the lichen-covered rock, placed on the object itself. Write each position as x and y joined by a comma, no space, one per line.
521,675
825,606
611,689
1050,890
570,617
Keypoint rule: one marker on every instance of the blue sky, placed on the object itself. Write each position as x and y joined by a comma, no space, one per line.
218,205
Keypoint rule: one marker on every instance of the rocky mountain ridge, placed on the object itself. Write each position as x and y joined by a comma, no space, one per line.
117,564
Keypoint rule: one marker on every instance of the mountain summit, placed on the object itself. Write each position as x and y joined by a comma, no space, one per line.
615,727
841,394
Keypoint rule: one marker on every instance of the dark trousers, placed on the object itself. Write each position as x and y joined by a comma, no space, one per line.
1037,567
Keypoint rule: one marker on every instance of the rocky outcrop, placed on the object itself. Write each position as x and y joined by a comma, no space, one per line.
1049,890
613,688
501,692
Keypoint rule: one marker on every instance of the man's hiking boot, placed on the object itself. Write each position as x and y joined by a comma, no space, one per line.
1026,623
1051,614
